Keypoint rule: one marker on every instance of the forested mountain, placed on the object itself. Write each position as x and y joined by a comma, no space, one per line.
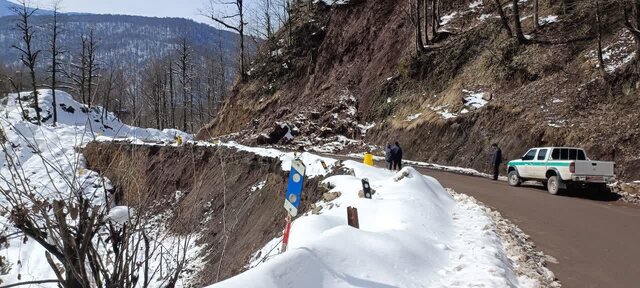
6,9
124,41
154,72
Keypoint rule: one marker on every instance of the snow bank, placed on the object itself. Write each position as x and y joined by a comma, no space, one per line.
454,169
49,157
312,162
412,234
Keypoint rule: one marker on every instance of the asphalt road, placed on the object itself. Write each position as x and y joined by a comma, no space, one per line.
596,240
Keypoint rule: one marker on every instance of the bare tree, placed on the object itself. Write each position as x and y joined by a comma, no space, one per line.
85,246
517,24
435,18
417,9
603,72
503,17
54,53
92,64
184,64
632,21
84,71
172,99
237,27
28,53
536,20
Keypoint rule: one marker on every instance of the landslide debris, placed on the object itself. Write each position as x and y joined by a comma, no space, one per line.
206,189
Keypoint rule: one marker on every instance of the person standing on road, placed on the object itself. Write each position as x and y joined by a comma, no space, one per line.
396,155
388,157
496,160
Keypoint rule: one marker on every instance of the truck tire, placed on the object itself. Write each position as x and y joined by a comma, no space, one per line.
553,185
514,178
599,188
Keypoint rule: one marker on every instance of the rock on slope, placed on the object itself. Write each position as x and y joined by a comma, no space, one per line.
472,87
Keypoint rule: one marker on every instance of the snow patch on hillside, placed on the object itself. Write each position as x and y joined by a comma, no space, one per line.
616,54
475,99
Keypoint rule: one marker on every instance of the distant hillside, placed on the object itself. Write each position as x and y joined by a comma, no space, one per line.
124,41
6,8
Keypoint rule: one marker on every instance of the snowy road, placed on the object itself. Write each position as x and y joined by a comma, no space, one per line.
596,242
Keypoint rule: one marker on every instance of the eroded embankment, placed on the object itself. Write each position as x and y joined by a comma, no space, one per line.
251,186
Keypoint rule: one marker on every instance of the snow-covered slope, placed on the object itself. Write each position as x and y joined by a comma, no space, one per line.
53,166
412,234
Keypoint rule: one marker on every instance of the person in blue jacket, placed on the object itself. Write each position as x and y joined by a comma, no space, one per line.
388,157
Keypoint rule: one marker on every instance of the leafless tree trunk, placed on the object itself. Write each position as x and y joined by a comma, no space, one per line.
516,20
55,52
107,98
419,4
92,64
183,65
603,72
435,19
239,27
503,17
536,21
172,102
632,22
28,53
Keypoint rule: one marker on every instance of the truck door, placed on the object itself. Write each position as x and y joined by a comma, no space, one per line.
525,169
539,167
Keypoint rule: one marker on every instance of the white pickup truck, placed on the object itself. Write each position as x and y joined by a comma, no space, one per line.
561,168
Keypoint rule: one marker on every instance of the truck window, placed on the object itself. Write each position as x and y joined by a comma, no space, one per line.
573,154
555,155
564,154
581,155
530,155
542,154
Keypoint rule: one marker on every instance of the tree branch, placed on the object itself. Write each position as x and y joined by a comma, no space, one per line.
31,283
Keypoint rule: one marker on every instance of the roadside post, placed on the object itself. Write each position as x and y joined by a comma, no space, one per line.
324,165
292,197
368,159
366,188
352,217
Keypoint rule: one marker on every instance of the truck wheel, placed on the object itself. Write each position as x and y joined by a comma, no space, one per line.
553,185
600,188
514,178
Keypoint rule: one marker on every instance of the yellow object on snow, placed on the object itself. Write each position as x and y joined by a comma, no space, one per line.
179,140
368,159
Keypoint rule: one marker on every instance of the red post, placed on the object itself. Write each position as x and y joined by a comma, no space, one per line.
285,237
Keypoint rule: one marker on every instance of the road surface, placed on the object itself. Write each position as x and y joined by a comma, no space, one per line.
596,241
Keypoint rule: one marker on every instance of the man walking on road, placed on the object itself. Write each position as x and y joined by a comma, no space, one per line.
396,155
496,160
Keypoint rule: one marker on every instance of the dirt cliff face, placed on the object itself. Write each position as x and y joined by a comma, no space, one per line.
208,178
473,86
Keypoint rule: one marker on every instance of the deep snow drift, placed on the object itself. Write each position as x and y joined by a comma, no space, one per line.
48,157
412,234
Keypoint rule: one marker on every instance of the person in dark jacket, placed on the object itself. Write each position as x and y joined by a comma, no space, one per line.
388,157
496,160
396,154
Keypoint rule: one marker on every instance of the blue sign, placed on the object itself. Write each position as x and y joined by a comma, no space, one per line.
294,188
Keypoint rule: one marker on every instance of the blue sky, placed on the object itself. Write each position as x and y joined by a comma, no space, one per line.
158,8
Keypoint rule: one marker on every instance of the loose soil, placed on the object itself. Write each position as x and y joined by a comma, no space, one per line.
208,178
